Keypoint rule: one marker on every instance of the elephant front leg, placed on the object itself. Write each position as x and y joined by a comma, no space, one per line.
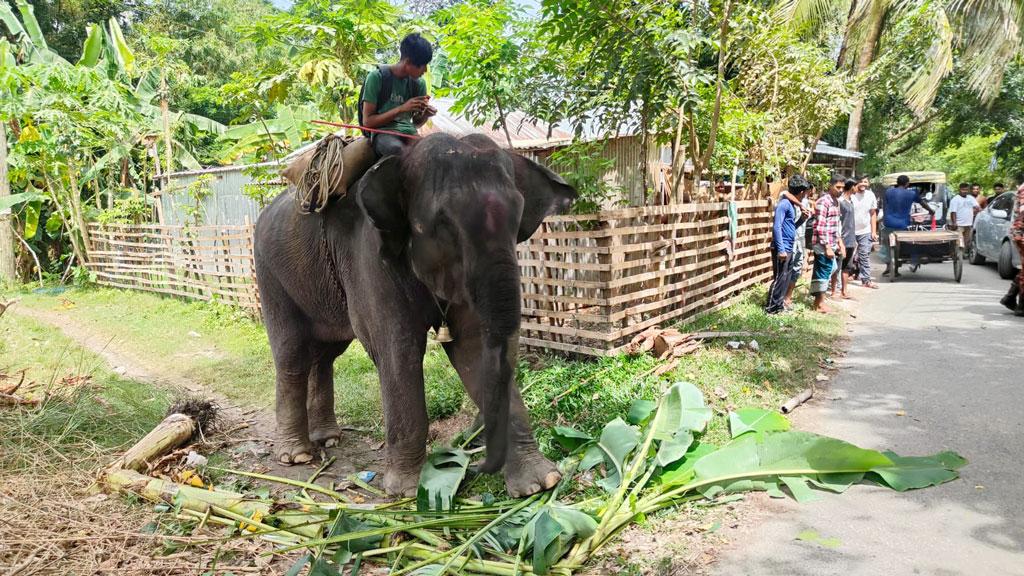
405,417
527,471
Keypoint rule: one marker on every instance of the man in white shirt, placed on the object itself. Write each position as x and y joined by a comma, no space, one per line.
865,219
962,209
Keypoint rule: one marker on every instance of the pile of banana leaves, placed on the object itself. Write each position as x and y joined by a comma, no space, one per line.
652,460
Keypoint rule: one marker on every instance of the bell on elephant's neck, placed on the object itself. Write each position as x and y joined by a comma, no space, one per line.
443,335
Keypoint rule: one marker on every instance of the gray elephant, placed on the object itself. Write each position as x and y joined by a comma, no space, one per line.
426,237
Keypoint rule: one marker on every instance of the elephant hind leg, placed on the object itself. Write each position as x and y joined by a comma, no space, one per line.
323,423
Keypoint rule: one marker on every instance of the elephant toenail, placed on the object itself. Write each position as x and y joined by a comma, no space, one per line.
330,442
302,459
534,488
551,479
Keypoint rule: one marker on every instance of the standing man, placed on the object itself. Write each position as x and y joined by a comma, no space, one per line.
788,216
800,244
848,238
998,189
394,97
898,202
1014,299
825,242
865,218
962,209
978,196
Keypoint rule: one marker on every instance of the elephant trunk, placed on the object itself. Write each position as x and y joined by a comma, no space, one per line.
496,297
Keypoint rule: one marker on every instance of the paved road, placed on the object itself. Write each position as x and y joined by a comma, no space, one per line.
951,359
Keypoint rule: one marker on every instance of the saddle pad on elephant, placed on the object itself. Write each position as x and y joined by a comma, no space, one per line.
327,170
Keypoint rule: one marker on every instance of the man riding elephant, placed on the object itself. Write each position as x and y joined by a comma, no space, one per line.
425,238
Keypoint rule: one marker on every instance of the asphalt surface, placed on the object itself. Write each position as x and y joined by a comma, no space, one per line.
932,365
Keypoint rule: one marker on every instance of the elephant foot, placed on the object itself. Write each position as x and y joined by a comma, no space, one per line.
294,452
401,483
327,434
529,473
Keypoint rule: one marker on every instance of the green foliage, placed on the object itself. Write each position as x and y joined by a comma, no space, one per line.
195,194
440,478
318,52
490,60
131,210
756,420
265,185
584,168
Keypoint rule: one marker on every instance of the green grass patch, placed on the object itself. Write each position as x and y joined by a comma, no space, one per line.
220,347
78,418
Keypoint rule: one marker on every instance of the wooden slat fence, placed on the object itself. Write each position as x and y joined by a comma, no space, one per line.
200,262
589,282
592,282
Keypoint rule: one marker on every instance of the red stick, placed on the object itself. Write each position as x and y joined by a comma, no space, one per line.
375,130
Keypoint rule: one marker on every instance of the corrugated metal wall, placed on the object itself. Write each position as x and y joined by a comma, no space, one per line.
225,205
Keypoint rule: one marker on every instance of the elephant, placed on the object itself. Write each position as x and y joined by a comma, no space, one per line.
426,237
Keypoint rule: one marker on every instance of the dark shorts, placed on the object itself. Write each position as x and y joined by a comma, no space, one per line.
850,260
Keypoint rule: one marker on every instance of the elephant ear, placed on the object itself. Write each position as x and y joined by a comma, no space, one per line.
382,198
544,193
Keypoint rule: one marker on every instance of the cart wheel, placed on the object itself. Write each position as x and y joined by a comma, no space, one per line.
958,264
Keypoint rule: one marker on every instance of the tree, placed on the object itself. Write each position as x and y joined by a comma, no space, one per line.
638,67
489,58
319,52
989,32
62,22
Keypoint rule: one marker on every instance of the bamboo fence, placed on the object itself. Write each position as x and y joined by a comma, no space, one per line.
590,282
198,262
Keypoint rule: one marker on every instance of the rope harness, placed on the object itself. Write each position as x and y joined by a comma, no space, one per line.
325,171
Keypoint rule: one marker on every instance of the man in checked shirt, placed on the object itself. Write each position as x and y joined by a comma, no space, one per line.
1014,299
825,242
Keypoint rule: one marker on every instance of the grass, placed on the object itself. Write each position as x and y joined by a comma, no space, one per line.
220,347
91,419
217,346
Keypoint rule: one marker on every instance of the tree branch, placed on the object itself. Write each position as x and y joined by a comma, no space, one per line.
914,127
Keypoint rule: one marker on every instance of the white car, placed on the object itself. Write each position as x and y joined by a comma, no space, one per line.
990,238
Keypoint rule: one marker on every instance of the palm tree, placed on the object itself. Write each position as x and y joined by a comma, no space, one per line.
986,32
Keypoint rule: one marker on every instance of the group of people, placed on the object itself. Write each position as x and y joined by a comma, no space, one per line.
837,229
840,228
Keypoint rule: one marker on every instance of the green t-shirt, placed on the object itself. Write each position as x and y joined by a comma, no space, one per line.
402,89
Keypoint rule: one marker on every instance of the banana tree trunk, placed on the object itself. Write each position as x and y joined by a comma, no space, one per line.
7,266
865,56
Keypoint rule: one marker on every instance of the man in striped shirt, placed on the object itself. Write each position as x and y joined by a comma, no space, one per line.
825,242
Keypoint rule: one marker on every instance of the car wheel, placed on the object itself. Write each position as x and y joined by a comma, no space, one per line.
1006,261
973,256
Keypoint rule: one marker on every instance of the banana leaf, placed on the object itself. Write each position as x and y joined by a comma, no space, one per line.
11,21
756,420
118,47
617,442
553,531
28,18
912,472
93,46
8,202
440,479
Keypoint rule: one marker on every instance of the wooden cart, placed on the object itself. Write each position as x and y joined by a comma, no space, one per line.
926,247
